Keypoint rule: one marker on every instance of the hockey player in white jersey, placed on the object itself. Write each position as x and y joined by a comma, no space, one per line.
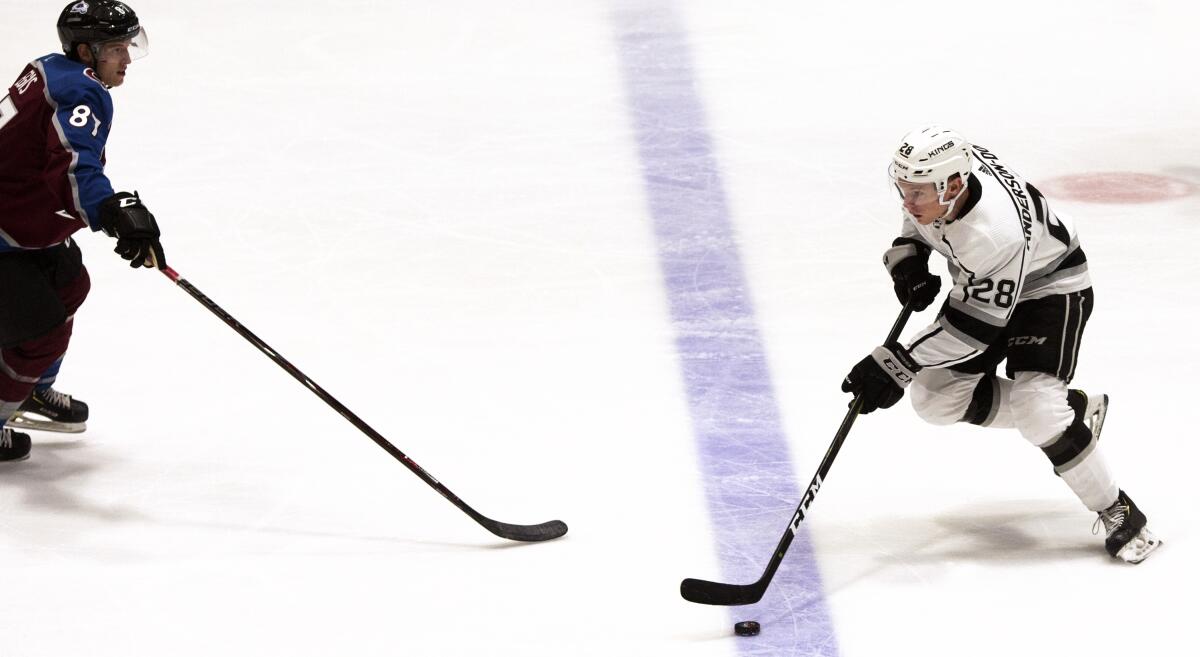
1021,295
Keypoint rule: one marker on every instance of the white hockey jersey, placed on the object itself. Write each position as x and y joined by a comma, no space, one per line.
1006,247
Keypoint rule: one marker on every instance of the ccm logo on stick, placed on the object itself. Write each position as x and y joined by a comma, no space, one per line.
809,496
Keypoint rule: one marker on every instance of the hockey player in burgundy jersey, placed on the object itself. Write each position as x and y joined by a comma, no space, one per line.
1021,295
54,123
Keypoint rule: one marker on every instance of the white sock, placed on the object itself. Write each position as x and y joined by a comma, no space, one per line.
1091,480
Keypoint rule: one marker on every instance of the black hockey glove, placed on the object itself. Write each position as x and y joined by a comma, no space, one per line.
908,263
881,377
123,216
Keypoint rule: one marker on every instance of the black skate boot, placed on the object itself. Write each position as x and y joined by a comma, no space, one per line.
1091,409
14,446
1125,534
51,410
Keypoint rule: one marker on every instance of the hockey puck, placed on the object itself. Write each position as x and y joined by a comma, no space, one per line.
747,628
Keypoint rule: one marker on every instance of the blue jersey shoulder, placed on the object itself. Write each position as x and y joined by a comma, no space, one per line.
83,117
69,82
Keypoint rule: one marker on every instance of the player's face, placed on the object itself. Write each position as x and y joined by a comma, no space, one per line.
921,201
113,58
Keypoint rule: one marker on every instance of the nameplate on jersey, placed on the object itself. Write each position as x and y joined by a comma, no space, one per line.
22,84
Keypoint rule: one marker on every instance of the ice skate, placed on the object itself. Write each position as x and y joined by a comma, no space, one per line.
1125,534
51,410
14,446
1093,407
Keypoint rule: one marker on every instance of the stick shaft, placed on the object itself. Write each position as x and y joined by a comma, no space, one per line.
717,593
502,529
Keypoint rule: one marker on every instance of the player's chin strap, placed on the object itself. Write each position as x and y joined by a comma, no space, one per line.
951,203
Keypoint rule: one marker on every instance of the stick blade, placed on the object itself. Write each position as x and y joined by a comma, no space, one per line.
545,531
716,593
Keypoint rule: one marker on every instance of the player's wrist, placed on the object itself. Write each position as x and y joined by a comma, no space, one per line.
897,363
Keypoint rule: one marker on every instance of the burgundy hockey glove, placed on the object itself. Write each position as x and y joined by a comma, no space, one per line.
123,216
881,377
908,263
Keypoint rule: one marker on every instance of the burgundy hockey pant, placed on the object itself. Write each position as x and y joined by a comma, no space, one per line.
23,365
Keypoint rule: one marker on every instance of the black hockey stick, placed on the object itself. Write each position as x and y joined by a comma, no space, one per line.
717,593
541,532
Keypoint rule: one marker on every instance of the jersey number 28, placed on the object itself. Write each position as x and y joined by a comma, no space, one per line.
1004,291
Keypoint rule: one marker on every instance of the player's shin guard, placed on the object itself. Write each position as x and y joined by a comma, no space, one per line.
1077,459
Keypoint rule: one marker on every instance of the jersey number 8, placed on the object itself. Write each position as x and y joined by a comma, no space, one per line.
81,114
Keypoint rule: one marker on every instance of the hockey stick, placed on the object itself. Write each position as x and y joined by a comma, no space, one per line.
718,593
540,532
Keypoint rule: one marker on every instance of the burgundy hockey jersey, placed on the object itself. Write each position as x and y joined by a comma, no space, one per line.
54,123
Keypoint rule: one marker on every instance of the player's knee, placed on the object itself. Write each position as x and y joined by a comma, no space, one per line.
937,405
1039,406
45,349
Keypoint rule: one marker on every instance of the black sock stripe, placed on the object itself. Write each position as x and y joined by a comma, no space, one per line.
1070,444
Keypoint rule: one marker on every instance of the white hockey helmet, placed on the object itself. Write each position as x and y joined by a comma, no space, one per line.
931,155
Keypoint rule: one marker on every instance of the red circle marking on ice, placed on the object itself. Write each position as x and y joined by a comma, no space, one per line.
1117,187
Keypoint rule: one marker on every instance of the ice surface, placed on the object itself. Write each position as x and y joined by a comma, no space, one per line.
439,213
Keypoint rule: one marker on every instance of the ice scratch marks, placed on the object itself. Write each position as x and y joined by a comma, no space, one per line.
748,475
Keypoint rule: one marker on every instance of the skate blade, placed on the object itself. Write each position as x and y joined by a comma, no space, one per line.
1140,547
23,421
1096,416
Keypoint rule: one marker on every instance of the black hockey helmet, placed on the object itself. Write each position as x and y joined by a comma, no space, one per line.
96,21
